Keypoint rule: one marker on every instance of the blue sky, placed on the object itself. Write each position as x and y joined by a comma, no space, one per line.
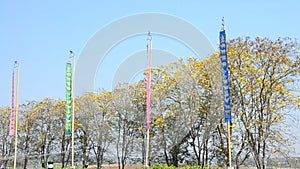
39,34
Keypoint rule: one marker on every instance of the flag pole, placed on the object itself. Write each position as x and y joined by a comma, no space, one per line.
148,94
226,89
228,122
16,65
73,106
229,144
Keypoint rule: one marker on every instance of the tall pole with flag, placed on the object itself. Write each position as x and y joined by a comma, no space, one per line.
148,94
16,65
70,101
225,86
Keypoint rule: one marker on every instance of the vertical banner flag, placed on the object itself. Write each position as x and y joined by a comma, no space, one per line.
12,113
225,81
148,94
68,98
148,100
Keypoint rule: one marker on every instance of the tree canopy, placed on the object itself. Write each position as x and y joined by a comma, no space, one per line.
187,123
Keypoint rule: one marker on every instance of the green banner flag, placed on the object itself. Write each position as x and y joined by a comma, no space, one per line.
69,98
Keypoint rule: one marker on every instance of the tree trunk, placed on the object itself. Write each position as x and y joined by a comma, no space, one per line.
143,149
62,151
42,158
203,156
165,151
63,160
26,151
4,163
68,158
123,164
206,153
99,156
237,161
25,162
174,154
264,155
98,164
98,161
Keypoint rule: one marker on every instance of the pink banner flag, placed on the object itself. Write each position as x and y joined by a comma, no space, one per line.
148,99
148,81
12,114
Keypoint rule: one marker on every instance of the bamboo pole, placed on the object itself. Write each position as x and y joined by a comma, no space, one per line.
73,109
16,116
147,149
148,88
229,144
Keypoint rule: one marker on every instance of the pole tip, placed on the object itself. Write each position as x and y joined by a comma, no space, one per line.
16,64
71,53
149,36
223,23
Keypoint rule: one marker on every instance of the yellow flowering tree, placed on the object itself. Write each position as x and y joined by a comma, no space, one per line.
6,142
263,74
184,110
127,121
93,125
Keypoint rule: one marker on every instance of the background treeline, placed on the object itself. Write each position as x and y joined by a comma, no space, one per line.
187,124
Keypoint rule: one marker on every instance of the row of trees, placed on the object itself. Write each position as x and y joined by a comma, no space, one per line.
186,111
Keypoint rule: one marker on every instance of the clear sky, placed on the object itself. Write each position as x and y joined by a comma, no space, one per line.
39,34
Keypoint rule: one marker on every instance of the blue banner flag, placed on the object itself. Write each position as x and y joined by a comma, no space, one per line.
225,81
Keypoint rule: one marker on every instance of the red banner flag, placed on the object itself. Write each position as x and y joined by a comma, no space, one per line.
148,99
12,113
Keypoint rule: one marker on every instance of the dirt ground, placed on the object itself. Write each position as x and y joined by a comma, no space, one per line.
115,166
